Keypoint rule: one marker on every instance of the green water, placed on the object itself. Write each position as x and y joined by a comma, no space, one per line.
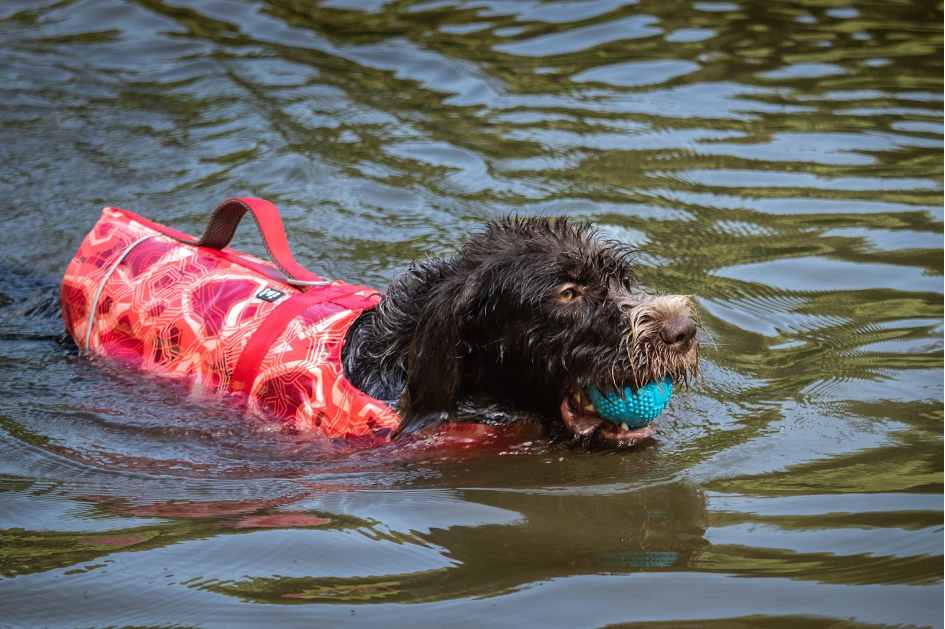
781,161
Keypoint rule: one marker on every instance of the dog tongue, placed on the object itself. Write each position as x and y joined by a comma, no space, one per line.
585,424
578,421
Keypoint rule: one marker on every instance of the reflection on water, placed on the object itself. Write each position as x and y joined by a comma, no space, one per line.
782,161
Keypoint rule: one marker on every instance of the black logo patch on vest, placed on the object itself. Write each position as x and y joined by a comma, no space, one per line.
270,294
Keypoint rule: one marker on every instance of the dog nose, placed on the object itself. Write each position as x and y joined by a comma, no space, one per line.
678,333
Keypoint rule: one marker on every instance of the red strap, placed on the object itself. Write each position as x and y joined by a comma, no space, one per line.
263,268
247,366
227,216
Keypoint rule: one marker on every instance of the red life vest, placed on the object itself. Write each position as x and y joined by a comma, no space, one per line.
145,294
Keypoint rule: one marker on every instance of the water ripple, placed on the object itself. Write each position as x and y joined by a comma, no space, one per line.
781,161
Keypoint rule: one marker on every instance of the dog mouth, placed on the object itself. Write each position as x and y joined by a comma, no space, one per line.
581,418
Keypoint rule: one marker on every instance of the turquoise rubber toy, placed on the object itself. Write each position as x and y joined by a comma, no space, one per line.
633,409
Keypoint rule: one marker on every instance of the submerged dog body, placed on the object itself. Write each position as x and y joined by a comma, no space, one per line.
530,313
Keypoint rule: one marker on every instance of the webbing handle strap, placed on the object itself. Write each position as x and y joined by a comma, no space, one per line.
227,216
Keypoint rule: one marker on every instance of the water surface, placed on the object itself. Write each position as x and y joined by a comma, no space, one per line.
781,161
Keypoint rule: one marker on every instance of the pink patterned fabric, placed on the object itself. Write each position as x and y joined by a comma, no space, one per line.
186,311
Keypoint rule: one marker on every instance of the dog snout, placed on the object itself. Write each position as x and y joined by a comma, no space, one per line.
678,333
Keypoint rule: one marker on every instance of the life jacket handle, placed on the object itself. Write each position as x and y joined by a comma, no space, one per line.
227,216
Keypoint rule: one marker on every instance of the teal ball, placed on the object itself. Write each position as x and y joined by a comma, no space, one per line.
633,408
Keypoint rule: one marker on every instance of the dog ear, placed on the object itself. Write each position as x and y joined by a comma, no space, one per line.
437,358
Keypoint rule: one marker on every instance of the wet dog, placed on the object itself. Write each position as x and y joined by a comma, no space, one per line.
531,312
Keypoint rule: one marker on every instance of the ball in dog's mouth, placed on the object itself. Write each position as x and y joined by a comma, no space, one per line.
581,418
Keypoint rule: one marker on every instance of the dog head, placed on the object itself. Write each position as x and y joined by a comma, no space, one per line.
534,311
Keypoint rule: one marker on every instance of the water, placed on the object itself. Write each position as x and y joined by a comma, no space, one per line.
782,161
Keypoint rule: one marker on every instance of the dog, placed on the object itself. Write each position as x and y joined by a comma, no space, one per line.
530,312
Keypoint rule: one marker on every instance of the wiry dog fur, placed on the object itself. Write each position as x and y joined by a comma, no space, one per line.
530,311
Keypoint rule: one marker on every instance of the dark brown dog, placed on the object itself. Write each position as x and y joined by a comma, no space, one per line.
532,312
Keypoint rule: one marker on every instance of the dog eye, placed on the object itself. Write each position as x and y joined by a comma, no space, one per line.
568,293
